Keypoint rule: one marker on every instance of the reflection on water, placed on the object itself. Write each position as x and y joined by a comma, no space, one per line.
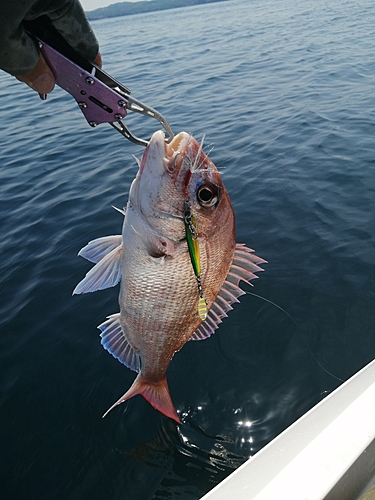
159,461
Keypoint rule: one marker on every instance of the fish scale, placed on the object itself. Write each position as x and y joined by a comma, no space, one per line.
154,296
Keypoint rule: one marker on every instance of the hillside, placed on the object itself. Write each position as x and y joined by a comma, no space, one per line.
128,8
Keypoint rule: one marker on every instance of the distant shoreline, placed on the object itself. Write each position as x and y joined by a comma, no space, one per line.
129,8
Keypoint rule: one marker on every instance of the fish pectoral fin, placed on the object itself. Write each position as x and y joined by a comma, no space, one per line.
243,267
105,274
158,246
115,342
157,394
96,250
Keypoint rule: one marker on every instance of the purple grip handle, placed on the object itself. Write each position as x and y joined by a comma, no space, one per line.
98,102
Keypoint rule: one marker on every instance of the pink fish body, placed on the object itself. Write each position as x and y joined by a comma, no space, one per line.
159,293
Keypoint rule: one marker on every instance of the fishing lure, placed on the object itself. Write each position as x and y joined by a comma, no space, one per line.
193,246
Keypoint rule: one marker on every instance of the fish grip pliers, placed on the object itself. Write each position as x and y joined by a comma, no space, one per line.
101,98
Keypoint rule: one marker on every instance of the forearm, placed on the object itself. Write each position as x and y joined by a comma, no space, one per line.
19,54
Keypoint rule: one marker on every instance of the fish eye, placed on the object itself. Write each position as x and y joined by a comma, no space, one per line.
207,195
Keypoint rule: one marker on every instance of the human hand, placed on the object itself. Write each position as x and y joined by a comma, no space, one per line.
41,79
19,54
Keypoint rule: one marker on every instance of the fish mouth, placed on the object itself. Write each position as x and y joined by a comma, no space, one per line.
159,168
184,156
177,144
162,156
165,152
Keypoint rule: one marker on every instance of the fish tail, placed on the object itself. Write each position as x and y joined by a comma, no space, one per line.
157,394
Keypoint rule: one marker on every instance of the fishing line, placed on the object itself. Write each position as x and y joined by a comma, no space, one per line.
300,331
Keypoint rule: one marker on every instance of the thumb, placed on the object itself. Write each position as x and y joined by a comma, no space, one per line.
40,78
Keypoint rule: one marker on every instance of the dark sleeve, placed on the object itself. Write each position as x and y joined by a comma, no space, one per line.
19,53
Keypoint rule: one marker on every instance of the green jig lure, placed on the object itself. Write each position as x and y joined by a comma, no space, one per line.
193,246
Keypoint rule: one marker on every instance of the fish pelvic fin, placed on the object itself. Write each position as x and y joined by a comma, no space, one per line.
96,250
105,274
157,394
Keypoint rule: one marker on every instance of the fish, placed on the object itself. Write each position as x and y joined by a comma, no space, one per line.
177,262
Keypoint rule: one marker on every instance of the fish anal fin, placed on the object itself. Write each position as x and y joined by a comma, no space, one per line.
157,394
97,249
115,342
105,274
245,263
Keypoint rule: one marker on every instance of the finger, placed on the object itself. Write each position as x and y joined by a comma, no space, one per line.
98,60
40,78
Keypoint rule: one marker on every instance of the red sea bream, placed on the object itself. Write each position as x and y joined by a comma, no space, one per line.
177,262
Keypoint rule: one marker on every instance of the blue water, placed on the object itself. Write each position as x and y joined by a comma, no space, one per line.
285,91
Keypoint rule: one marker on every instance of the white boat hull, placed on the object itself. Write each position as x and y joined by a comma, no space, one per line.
328,453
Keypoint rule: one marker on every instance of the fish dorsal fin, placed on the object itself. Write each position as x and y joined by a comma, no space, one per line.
95,250
105,274
243,267
114,341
